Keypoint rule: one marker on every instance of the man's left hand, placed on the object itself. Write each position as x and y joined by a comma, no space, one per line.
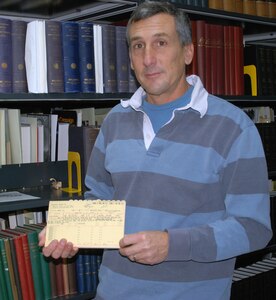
147,247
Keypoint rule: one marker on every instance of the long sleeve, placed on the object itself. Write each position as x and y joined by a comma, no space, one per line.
98,180
244,226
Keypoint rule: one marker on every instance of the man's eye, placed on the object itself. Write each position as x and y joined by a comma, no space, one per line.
161,43
138,46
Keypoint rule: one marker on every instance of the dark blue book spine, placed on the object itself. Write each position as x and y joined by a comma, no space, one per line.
18,36
87,273
80,273
55,71
205,3
132,81
95,270
122,59
86,57
70,45
201,3
191,2
109,58
5,56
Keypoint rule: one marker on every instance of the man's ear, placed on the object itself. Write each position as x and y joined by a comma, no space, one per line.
189,53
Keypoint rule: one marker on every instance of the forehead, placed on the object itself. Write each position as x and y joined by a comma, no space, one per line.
155,25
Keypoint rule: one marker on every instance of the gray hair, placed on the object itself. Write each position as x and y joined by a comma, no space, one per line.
150,8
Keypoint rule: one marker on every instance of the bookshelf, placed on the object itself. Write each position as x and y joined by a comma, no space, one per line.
256,29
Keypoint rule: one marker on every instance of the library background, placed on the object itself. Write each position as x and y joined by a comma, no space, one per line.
64,64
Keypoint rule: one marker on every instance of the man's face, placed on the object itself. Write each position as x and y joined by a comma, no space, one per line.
158,58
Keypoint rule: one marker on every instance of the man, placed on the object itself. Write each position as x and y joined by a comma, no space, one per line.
190,166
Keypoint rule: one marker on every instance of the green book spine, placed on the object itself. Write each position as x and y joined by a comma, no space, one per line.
46,276
36,265
6,270
3,289
44,263
15,271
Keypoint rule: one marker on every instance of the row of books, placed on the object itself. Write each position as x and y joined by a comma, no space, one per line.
197,3
263,57
268,132
37,137
264,119
26,274
55,57
255,281
263,8
219,57
260,114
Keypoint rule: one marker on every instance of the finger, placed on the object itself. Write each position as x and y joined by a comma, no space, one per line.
69,251
42,237
129,251
128,240
47,251
61,248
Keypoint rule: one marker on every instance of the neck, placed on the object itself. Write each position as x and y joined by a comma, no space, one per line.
168,97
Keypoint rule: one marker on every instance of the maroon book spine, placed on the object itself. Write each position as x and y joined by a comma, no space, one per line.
208,62
200,42
220,71
239,60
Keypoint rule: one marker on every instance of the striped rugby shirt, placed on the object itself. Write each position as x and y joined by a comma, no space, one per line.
202,177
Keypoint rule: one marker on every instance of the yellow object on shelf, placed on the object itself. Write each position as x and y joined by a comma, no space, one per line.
73,158
252,72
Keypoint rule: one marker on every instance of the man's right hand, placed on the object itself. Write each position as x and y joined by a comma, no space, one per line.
57,249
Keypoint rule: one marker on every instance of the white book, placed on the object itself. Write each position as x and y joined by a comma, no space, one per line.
12,220
98,57
7,138
2,137
45,121
15,135
26,143
19,218
2,223
63,141
32,122
38,217
36,57
40,142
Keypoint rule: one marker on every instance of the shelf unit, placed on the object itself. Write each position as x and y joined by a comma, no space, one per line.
108,11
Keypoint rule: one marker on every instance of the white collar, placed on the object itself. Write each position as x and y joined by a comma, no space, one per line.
198,98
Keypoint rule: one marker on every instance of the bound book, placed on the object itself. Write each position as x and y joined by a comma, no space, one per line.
23,262
200,45
109,58
122,59
5,56
86,57
55,71
35,51
264,58
11,288
216,4
19,79
70,44
87,223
